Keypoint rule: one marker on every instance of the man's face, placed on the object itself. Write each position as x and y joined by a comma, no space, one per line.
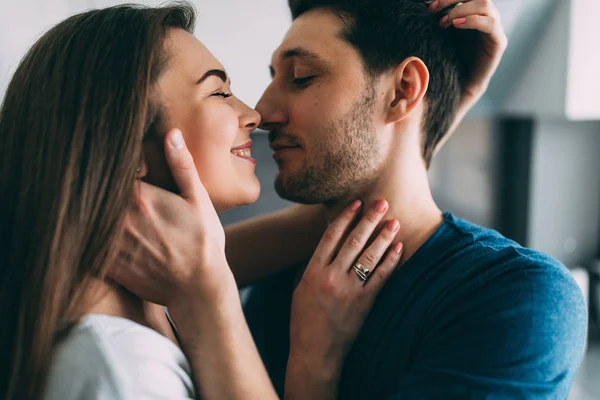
319,110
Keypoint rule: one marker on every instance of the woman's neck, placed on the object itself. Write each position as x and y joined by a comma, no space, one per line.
112,299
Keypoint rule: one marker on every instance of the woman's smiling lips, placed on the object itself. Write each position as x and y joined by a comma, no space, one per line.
244,152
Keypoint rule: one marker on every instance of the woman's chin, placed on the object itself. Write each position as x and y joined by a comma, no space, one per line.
244,197
251,192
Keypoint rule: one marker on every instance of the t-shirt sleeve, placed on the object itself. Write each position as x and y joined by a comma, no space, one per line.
522,337
81,370
133,364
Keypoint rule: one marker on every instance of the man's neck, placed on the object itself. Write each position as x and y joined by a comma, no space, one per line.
406,189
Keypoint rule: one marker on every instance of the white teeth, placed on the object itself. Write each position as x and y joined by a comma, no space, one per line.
244,153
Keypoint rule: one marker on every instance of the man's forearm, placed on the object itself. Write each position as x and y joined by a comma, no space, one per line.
263,246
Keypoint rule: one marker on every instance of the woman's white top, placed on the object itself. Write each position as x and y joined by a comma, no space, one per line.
105,357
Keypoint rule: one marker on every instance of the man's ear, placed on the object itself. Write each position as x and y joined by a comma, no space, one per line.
410,81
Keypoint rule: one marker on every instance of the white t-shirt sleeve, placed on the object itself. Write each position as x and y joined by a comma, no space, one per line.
113,358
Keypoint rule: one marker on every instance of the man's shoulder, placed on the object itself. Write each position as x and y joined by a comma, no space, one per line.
457,232
479,305
472,272
469,246
487,276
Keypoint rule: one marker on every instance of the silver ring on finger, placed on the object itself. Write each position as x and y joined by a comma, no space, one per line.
362,272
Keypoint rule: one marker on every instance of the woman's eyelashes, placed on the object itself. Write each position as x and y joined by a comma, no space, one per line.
303,82
222,94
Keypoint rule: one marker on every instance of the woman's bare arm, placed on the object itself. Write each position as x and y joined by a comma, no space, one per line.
491,47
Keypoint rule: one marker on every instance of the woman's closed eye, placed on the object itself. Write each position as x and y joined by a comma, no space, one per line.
224,95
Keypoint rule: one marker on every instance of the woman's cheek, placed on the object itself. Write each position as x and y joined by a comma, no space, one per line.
210,131
214,136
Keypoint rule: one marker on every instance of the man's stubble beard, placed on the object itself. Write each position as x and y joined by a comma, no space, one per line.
344,161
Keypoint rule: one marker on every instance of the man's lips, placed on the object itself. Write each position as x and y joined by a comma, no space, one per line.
281,149
280,146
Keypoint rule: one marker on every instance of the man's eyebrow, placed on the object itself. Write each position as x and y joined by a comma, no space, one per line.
219,73
300,53
297,52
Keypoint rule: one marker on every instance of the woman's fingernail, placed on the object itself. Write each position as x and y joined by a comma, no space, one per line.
381,206
433,7
393,225
398,247
176,140
444,20
355,206
459,21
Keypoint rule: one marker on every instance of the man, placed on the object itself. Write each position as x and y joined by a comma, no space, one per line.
363,92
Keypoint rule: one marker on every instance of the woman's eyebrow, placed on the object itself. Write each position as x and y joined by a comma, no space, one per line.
219,73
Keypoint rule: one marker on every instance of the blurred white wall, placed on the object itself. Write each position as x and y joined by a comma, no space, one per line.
242,34
583,81
559,76
539,87
464,176
565,190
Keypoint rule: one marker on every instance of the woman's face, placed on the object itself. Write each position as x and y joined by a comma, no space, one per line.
195,95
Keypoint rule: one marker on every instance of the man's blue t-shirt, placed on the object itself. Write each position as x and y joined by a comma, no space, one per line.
471,315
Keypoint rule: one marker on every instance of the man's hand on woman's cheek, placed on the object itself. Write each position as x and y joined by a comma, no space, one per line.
173,245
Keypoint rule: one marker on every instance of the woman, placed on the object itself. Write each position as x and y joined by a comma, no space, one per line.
85,116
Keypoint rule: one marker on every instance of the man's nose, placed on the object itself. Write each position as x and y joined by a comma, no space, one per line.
271,107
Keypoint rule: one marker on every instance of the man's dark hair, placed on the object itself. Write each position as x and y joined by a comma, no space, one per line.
386,32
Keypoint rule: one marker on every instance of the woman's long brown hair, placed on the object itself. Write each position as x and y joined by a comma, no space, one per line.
71,129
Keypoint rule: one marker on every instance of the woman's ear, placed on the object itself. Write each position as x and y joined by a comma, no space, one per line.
142,170
154,168
410,81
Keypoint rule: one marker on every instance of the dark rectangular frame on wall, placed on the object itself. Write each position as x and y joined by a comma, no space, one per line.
516,145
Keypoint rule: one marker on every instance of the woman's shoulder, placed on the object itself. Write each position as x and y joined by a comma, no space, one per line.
113,357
